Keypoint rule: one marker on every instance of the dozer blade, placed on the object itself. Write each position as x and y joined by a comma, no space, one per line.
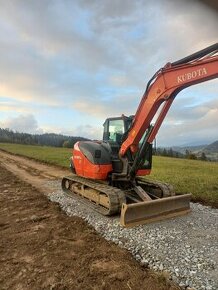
155,210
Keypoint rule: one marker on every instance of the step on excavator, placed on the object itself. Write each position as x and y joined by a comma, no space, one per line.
109,174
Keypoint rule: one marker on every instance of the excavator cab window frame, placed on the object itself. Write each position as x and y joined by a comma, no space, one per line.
127,121
116,130
113,136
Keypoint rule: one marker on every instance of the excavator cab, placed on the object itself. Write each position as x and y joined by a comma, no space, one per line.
114,129
115,132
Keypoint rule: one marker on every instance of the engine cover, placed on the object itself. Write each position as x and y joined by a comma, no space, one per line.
92,159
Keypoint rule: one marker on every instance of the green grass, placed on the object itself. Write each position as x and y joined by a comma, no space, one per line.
197,177
51,155
188,176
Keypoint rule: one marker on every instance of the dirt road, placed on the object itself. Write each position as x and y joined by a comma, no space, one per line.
42,248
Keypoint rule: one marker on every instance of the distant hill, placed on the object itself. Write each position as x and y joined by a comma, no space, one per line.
211,148
48,139
182,149
211,151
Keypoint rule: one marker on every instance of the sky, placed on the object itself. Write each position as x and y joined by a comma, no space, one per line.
67,65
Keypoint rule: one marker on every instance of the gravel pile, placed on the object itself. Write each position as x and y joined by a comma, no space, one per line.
185,247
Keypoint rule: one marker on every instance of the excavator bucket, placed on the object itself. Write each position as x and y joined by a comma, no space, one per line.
154,210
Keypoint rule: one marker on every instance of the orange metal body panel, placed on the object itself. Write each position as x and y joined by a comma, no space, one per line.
143,172
168,82
87,169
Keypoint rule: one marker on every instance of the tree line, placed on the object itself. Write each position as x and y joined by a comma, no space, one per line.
169,152
59,140
48,139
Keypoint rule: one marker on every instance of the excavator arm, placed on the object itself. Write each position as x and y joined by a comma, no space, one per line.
162,90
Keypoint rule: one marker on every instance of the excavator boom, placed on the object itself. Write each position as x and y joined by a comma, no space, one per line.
163,88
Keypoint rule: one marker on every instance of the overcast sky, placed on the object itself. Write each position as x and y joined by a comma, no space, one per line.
66,65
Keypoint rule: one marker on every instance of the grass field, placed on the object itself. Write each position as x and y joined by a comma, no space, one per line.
197,177
189,176
52,155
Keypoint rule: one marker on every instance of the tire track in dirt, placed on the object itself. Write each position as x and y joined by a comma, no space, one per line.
31,171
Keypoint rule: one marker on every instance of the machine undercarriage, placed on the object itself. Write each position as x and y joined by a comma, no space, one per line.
136,205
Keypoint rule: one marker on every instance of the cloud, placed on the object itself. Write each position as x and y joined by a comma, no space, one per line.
196,124
11,107
114,107
86,131
22,123
96,56
41,57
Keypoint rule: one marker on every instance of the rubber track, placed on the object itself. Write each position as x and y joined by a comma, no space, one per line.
116,196
167,189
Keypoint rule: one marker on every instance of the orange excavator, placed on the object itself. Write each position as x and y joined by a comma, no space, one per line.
108,174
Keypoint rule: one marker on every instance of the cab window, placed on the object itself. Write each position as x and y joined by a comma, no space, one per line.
116,130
